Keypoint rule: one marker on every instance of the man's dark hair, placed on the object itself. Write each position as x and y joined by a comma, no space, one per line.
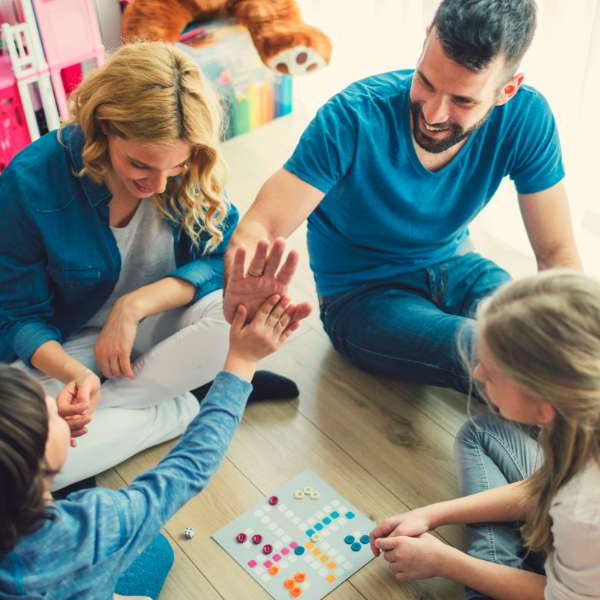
474,32
23,435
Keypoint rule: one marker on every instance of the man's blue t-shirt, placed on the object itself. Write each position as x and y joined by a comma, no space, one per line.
384,213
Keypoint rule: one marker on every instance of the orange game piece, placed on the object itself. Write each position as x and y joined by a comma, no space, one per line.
316,552
300,577
288,584
309,546
324,558
273,569
332,565
331,578
295,592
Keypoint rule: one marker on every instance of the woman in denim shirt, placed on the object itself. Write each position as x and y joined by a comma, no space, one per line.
112,234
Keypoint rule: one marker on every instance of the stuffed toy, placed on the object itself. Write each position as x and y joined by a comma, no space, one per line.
284,42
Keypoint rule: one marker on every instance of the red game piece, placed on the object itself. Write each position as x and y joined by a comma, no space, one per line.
273,500
256,538
267,549
241,538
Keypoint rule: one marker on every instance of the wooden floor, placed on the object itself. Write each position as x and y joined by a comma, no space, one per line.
386,446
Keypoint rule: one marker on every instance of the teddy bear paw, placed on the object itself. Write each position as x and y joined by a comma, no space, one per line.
296,61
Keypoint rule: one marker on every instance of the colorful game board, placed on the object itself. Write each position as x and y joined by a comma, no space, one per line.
303,541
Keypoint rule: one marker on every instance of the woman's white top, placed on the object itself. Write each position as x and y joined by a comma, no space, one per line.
147,254
573,567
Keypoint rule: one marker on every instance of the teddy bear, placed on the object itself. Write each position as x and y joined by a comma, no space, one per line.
284,42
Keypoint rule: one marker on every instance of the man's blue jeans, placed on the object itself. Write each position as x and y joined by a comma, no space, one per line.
491,452
408,327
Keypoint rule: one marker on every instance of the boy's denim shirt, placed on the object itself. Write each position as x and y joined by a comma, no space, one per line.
59,260
96,534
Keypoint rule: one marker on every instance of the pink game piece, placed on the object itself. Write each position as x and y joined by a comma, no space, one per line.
276,557
256,538
293,545
285,551
267,549
252,563
240,538
273,500
267,563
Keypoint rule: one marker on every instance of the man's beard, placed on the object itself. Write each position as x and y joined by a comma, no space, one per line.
456,132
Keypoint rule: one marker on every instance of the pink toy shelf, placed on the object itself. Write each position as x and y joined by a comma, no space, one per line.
70,35
14,134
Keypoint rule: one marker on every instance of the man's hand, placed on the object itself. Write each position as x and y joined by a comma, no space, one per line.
264,278
412,558
115,342
76,402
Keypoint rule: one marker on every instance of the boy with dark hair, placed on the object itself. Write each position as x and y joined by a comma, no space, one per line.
82,546
390,173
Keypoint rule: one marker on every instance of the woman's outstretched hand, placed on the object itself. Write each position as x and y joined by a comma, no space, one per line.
264,278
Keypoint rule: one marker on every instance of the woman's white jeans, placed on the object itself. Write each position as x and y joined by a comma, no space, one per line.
175,351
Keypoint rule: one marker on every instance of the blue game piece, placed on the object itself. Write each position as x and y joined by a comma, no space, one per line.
355,547
365,539
318,526
299,550
326,520
310,532
349,539
335,514
350,515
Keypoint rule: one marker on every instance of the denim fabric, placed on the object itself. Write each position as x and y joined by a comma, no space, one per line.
407,327
97,534
491,452
384,214
58,258
147,575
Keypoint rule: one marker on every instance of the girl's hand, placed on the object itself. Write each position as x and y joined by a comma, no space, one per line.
411,523
76,402
412,558
115,342
263,335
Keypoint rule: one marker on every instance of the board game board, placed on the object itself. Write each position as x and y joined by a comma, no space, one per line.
304,540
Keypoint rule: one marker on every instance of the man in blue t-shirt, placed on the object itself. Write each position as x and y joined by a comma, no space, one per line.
390,173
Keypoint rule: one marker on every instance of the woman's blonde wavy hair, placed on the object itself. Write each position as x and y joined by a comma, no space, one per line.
153,92
544,333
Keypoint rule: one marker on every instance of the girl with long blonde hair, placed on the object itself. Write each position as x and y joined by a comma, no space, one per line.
112,235
531,495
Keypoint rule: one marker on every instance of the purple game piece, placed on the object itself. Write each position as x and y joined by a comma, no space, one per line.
256,538
273,500
267,549
241,538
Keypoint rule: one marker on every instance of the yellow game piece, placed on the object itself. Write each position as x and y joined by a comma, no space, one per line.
331,578
309,545
316,552
324,558
332,565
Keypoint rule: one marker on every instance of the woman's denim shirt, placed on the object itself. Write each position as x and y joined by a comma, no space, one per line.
59,260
